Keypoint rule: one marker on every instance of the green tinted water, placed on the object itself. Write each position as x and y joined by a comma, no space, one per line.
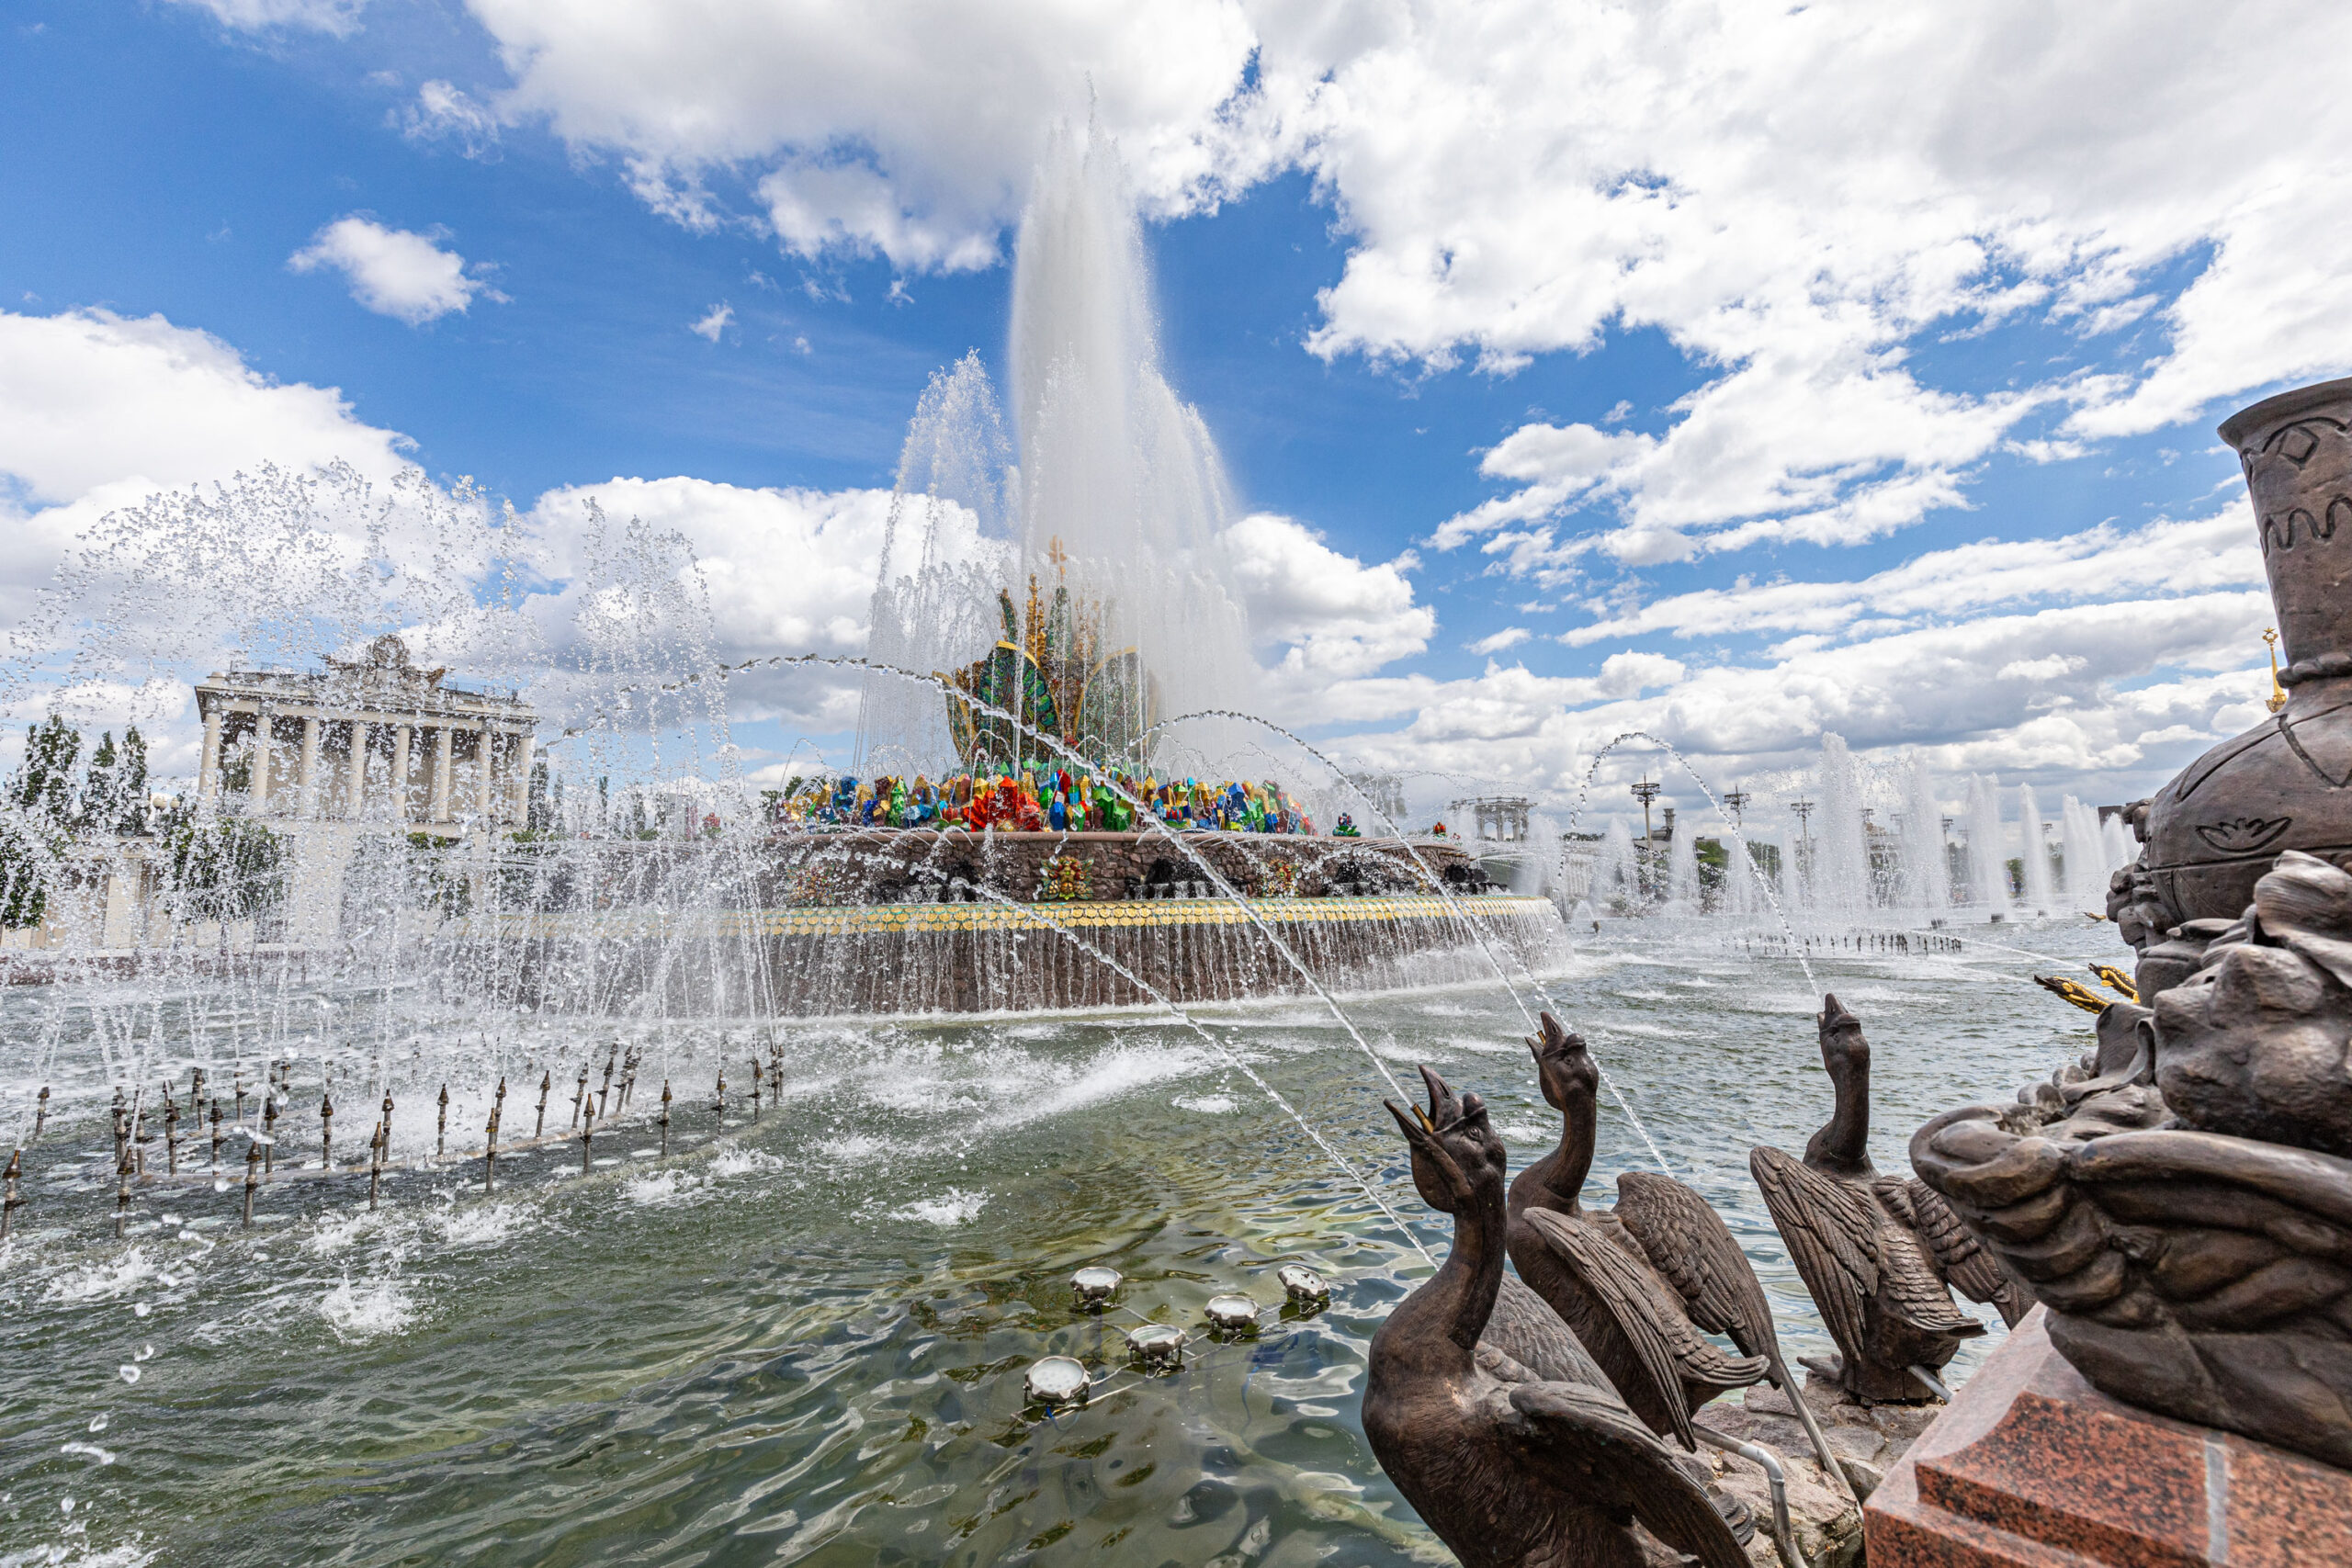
803,1341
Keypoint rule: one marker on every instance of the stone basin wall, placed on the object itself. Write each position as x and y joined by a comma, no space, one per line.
895,864
959,958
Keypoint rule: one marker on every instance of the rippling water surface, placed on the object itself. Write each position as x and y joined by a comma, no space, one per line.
802,1339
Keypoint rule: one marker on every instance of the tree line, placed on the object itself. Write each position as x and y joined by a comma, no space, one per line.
56,804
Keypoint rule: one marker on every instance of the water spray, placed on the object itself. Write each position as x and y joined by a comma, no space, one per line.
1232,1057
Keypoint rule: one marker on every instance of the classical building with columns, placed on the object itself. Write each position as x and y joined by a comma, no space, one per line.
372,739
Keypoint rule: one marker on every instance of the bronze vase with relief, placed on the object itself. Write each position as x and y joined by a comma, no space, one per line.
2286,783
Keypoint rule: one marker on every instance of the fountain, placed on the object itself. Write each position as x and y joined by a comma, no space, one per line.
1110,500
2033,852
1053,979
2086,851
1988,871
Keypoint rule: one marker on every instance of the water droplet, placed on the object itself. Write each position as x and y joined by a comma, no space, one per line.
98,1422
66,1506
140,1308
146,1352
128,1373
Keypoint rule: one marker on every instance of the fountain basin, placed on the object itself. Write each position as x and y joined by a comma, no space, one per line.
877,959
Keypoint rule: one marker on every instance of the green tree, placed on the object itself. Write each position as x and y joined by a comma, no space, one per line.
227,868
43,785
101,790
133,771
114,787
26,858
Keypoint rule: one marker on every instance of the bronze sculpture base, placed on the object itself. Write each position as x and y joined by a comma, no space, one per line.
2032,1466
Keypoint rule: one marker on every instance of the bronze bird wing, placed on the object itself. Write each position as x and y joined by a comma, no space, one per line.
1669,1351
1832,1234
1693,1249
1917,1293
1966,1264
1524,1327
1590,1445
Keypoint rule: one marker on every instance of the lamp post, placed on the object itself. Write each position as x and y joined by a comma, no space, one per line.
1735,802
1803,810
1646,790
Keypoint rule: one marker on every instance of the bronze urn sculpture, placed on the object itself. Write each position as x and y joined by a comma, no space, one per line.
2286,783
2181,1200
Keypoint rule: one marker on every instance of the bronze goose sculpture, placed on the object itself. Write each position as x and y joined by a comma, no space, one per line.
1509,1469
1644,1284
1878,1253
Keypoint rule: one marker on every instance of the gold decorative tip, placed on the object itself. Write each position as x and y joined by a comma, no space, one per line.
2082,997
2116,980
2277,699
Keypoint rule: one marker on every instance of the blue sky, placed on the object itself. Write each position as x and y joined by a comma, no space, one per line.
1685,384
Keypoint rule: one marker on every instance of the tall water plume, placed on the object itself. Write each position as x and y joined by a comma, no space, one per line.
1926,870
1616,872
1118,494
1742,894
2033,852
1682,870
1989,871
1842,865
2086,850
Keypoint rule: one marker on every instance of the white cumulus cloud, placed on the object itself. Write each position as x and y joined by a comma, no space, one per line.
98,411
714,322
907,130
1799,200
1510,636
393,271
1325,613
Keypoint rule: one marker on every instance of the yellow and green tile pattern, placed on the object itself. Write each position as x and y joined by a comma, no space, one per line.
891,919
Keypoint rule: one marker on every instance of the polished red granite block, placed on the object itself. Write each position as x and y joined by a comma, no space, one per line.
2033,1468
2285,1510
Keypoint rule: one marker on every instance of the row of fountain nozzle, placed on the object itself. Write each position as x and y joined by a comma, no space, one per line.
1064,1380
1178,890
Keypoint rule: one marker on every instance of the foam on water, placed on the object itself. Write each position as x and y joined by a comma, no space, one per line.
1486,1045
106,1280
1116,1072
663,1188
370,1309
129,1556
1206,1104
338,1232
948,1209
484,1225
741,1162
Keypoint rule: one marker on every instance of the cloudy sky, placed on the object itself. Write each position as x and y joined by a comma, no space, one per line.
1738,372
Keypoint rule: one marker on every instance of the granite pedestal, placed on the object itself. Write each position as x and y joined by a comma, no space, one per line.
2033,1468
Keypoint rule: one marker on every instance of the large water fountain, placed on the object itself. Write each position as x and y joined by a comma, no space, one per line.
474,1095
